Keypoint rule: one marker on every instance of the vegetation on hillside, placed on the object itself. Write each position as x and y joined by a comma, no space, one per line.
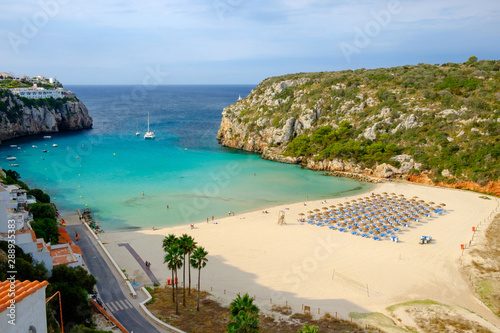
329,143
44,213
26,267
445,116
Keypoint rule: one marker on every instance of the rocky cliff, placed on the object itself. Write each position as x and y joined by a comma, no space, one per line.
439,120
21,116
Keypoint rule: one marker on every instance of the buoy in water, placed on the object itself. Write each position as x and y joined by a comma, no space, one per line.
114,154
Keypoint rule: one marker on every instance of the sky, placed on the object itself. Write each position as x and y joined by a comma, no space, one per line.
236,41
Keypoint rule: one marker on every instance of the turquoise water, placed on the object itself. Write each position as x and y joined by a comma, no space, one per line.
108,168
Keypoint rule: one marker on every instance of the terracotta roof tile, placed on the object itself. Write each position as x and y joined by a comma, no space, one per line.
22,290
63,236
76,249
62,256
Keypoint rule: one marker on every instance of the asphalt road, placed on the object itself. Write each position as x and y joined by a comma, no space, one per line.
115,302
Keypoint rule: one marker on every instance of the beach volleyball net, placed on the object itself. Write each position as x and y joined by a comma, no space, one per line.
350,280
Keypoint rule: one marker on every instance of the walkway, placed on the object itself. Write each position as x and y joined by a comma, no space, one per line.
141,262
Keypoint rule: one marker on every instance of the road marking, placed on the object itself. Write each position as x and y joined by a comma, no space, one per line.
111,307
129,304
119,305
124,304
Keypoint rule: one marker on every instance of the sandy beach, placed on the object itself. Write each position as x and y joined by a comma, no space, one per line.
325,269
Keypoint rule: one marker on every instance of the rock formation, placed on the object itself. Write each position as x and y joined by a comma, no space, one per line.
21,118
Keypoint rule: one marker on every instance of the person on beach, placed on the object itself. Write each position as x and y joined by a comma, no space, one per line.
149,265
142,193
146,263
212,217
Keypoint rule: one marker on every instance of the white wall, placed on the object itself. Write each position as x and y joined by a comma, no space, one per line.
30,311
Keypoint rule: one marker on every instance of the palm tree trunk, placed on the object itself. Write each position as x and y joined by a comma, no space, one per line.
189,273
173,287
184,281
198,305
176,295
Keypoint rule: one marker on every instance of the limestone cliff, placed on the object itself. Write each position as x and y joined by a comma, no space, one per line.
21,116
441,120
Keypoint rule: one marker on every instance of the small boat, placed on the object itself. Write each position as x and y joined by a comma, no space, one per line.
44,151
47,137
11,158
54,145
13,164
13,146
149,135
34,146
239,98
137,133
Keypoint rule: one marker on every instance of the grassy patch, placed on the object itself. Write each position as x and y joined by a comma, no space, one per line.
427,302
214,318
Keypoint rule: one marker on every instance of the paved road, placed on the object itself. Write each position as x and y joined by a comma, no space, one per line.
108,286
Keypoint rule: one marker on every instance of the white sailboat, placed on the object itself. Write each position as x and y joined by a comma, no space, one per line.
137,129
149,135
239,98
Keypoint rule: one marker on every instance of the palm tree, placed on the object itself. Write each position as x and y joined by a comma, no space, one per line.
168,241
244,322
183,244
190,247
198,261
244,315
173,258
242,304
309,329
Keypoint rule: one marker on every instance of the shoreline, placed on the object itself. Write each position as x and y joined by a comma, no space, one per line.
293,263
366,187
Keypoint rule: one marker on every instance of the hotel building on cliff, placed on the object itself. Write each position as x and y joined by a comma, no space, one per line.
36,92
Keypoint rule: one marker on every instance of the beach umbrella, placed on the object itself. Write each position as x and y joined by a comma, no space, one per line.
302,214
324,208
310,211
332,206
444,205
430,202
316,210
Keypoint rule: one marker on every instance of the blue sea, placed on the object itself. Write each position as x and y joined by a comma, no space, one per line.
181,177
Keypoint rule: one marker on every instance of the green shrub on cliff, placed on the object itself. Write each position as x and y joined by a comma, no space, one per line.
445,116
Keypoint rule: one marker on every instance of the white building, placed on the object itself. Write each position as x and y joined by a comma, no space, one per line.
36,93
14,215
29,311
